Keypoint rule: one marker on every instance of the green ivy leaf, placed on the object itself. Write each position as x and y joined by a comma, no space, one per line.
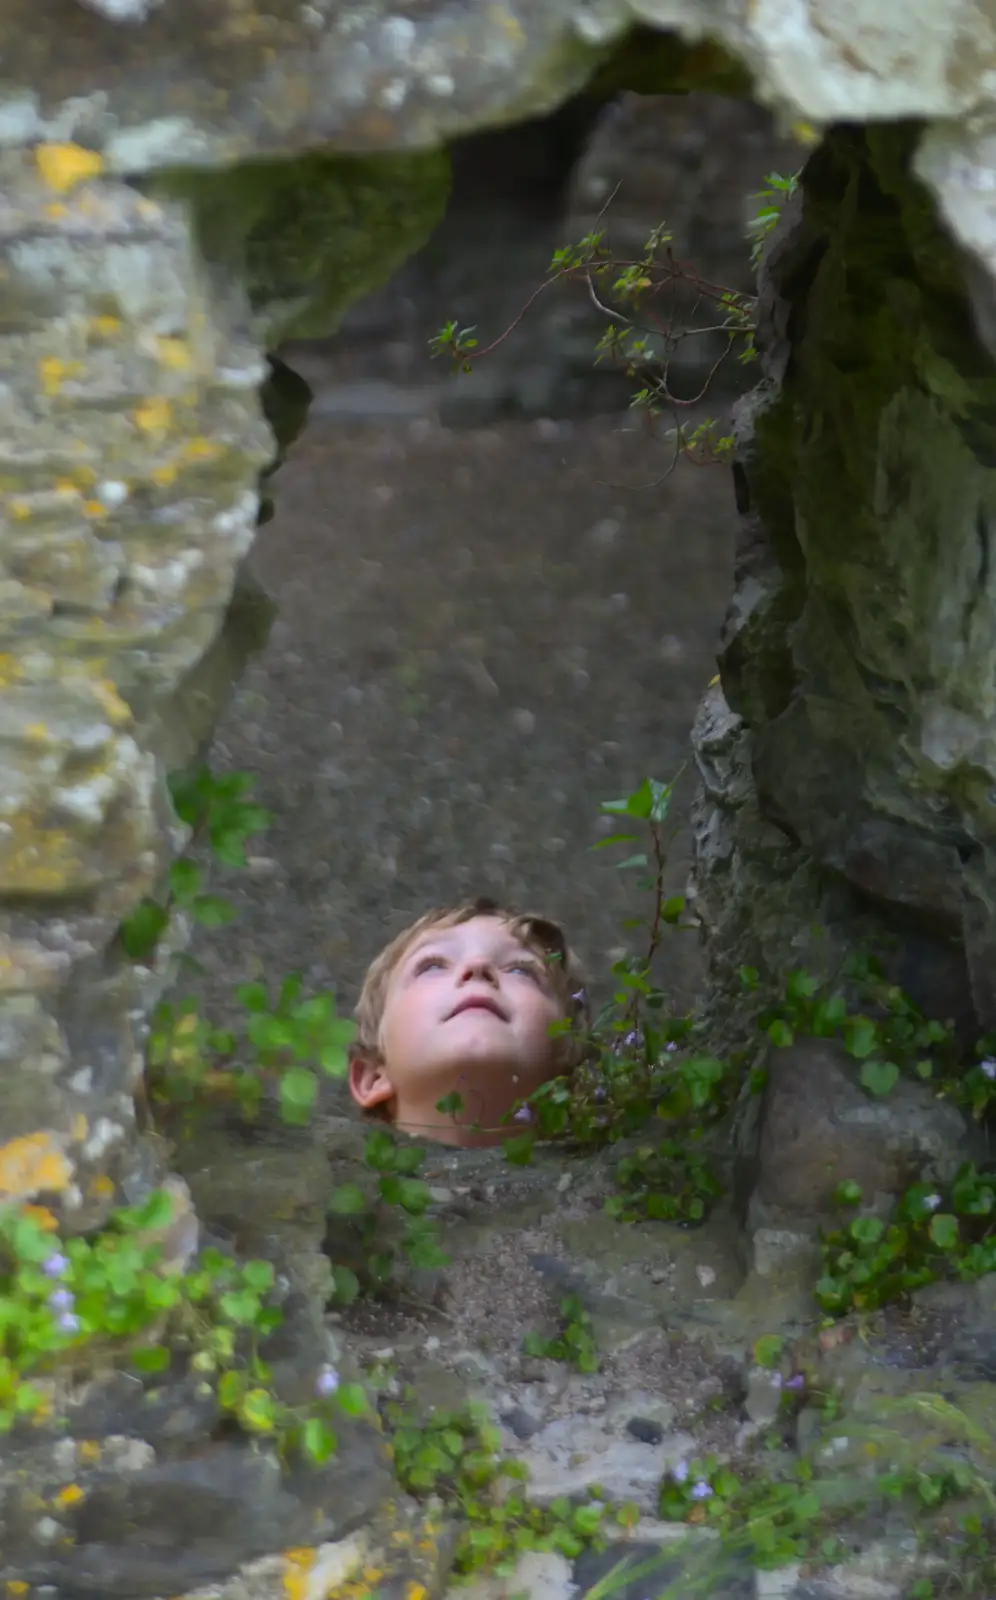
298,1092
414,1195
348,1201
944,1231
847,1193
150,1358
878,1077
860,1037
780,1033
347,1286
867,1230
258,1275
212,910
352,1399
184,879
258,1411
318,1441
768,1349
141,932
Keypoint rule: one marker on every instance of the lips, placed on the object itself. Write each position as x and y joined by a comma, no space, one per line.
478,1002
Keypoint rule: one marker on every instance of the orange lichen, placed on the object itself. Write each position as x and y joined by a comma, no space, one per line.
41,1216
33,1164
95,508
63,166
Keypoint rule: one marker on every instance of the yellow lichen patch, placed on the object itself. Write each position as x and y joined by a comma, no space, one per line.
89,1450
154,415
16,1586
173,353
165,475
103,1187
117,709
63,166
66,486
95,508
299,1564
41,1216
36,732
106,327
509,24
56,211
33,1164
11,670
372,1574
52,373
201,449
416,1591
71,1495
81,1128
18,509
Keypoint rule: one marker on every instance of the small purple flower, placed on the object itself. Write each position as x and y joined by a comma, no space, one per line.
600,1093
671,1046
797,1382
701,1490
55,1265
68,1323
631,1038
579,997
61,1300
776,1380
680,1472
931,1202
524,1114
327,1382
988,1067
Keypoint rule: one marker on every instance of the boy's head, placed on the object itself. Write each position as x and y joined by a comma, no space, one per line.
463,1003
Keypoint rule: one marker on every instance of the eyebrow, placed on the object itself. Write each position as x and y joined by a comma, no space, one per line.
443,938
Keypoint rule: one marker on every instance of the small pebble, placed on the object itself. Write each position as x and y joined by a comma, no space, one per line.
522,1423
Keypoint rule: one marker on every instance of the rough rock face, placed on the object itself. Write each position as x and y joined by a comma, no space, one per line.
847,758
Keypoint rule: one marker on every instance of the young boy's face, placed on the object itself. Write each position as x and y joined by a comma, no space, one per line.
468,1010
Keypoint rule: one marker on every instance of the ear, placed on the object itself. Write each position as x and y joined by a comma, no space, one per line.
369,1084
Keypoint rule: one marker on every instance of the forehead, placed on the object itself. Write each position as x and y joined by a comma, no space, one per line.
475,930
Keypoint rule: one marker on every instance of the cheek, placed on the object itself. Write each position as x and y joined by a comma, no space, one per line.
404,1024
538,1016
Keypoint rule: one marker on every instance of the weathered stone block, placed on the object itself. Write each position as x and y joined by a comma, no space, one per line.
818,1127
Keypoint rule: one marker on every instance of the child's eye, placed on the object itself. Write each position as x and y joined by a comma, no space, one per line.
529,968
427,963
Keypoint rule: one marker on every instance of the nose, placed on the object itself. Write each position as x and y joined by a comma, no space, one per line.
479,968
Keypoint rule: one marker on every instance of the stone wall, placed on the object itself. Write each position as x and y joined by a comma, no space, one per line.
847,763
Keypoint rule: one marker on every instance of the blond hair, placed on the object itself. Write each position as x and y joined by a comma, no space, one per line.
542,936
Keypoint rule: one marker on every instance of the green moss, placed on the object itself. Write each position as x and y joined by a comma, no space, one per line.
310,237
